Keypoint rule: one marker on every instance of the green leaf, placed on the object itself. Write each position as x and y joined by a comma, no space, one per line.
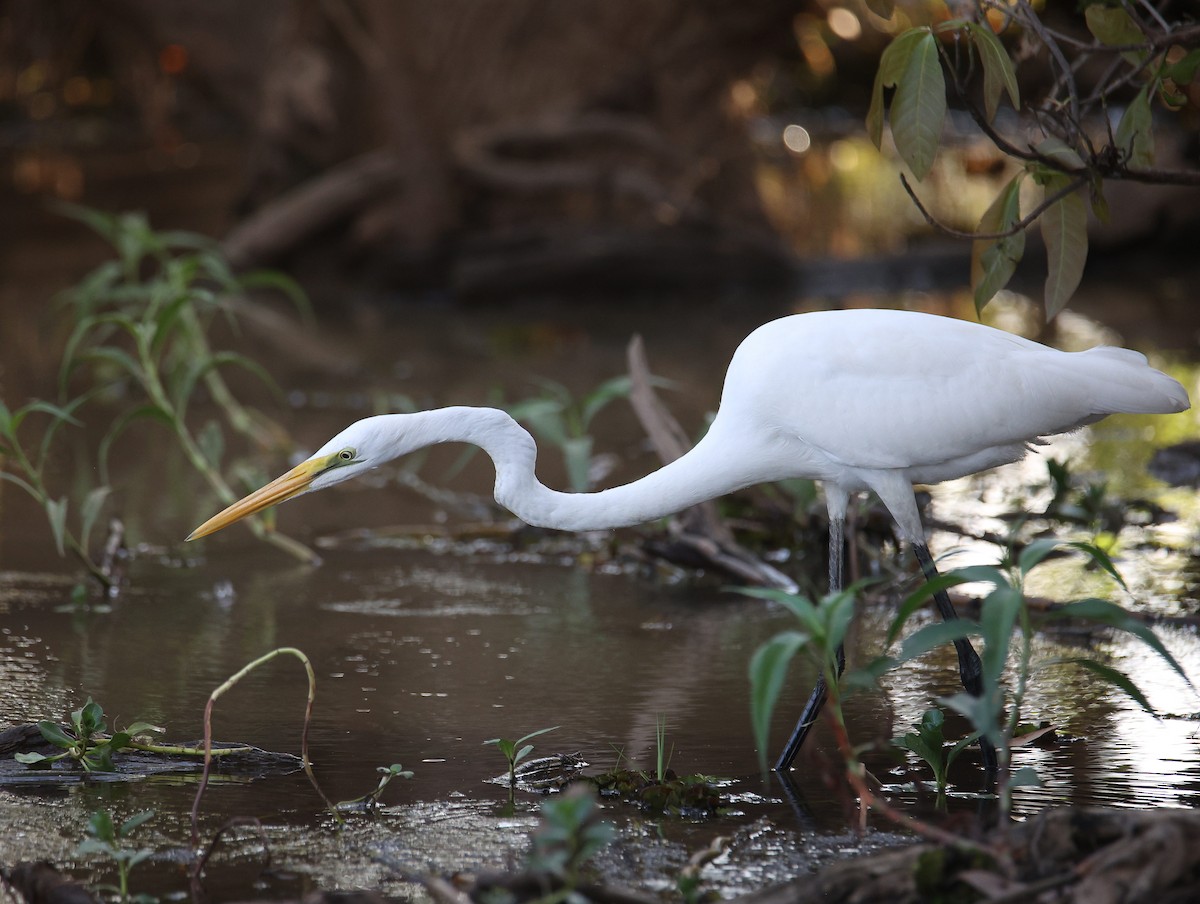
1112,25
100,826
23,484
1059,153
768,668
96,846
134,821
919,107
983,712
522,753
211,440
1033,554
934,635
1101,558
544,416
54,733
798,605
1026,776
997,617
866,677
181,393
1064,231
143,728
838,612
998,72
92,716
1135,132
892,65
969,575
598,398
534,734
105,224
1106,613
1114,677
166,319
56,511
89,512
993,261
1181,72
121,359
273,279
36,760
63,414
577,455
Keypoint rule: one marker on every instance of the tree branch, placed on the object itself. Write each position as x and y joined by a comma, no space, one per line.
1018,226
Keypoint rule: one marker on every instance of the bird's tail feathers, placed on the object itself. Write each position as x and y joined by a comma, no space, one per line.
1125,383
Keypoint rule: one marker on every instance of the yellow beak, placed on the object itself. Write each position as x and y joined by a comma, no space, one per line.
282,488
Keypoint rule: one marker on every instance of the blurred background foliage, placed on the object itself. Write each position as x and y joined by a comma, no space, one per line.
493,150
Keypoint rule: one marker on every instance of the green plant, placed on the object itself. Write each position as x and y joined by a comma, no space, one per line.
26,468
571,832
1134,60
563,421
371,798
141,332
823,627
662,755
929,743
996,713
140,347
86,741
515,751
108,838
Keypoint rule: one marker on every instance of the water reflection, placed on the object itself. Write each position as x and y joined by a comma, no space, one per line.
425,649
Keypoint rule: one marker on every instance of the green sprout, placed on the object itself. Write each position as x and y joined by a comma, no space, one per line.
570,834
515,751
370,800
108,838
929,744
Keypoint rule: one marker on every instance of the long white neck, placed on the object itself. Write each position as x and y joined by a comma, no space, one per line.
703,473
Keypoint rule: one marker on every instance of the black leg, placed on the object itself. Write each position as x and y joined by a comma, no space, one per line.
816,700
970,668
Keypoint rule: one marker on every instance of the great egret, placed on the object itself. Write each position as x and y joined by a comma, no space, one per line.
859,400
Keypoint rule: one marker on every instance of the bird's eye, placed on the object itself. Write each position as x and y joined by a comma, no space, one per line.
346,455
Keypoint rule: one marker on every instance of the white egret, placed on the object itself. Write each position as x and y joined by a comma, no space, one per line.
858,400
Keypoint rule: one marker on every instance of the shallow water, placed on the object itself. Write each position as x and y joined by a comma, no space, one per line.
425,648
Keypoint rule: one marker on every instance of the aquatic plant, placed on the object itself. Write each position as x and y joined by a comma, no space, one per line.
929,743
662,756
86,742
563,421
26,467
140,349
571,832
109,839
515,751
371,798
996,712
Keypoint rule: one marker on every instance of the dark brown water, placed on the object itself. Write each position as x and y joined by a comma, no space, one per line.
424,649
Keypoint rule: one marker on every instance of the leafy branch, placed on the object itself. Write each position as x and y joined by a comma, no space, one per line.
1146,54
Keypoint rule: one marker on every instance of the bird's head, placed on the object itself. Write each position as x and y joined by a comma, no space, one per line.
363,445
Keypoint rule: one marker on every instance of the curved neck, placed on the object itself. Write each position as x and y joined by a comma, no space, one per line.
705,472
